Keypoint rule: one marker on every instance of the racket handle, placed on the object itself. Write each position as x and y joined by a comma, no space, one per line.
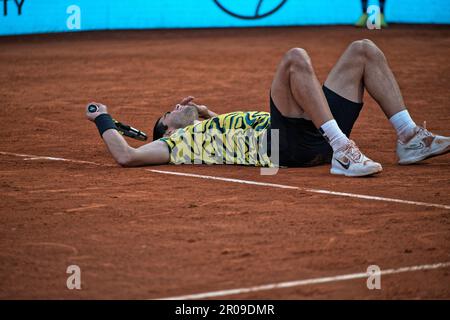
92,108
130,132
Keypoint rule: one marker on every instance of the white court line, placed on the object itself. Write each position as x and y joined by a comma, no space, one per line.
250,182
334,193
33,157
298,283
193,175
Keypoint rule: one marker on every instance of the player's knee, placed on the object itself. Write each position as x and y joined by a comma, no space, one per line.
367,49
297,59
358,48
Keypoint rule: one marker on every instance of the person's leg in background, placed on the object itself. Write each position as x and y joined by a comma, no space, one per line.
383,19
361,22
364,65
297,93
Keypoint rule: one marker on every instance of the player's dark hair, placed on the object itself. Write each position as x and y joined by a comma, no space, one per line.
159,130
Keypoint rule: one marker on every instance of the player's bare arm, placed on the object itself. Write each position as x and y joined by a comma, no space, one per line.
152,153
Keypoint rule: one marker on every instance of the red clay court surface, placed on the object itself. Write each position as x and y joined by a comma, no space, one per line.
140,234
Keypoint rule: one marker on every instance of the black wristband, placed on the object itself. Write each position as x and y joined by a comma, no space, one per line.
104,122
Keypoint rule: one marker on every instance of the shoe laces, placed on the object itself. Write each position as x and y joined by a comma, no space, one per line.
352,151
423,132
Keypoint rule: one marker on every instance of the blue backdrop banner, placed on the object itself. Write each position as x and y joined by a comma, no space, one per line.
39,16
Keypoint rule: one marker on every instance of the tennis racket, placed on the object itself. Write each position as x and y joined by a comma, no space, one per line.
124,129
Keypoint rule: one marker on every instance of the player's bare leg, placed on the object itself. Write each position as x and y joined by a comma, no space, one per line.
364,66
297,93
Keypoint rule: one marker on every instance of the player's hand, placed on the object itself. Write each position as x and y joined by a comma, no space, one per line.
101,109
202,110
187,100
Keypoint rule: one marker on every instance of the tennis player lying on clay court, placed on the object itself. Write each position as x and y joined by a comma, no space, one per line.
314,121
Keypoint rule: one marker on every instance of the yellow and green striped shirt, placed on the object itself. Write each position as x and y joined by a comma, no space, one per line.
231,138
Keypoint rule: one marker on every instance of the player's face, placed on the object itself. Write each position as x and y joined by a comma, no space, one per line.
181,116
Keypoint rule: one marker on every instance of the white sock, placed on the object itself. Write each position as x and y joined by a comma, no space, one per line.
333,134
403,124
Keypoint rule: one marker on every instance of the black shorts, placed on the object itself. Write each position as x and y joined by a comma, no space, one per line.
301,143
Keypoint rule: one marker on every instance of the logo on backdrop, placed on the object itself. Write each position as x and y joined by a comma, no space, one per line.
252,10
19,4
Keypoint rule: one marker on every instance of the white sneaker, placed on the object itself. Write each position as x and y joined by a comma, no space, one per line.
350,162
421,146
